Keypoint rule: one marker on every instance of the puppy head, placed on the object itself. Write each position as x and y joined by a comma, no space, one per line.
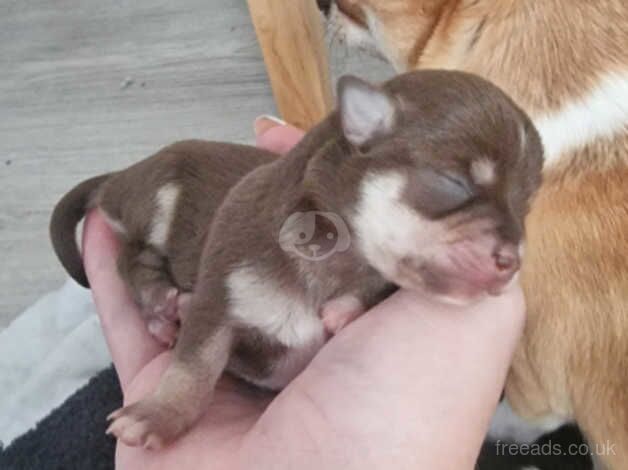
443,166
398,29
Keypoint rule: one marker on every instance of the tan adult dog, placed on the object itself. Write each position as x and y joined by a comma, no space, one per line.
566,63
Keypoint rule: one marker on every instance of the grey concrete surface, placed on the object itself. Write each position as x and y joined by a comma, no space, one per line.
90,86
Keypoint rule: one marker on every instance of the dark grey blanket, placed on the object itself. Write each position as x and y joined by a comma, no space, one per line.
73,438
560,450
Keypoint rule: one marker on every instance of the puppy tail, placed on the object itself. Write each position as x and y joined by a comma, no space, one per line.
67,214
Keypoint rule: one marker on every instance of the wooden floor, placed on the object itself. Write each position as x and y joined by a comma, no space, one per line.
89,86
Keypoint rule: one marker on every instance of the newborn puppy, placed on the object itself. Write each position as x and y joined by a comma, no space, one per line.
160,209
423,183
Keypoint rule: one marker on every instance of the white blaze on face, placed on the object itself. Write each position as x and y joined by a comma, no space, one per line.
165,206
387,228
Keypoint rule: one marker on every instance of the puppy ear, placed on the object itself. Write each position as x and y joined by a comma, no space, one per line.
366,111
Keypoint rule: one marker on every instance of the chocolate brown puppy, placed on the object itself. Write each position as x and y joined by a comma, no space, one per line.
161,209
423,183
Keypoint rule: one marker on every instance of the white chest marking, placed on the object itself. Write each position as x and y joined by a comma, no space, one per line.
601,113
262,303
166,204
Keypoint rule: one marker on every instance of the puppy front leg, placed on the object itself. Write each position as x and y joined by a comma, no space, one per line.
184,390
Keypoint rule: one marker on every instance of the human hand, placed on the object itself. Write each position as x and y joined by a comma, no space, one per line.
411,384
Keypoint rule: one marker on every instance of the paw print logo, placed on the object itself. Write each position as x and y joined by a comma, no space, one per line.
314,235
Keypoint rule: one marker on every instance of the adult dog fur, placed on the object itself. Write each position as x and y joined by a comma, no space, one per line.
566,63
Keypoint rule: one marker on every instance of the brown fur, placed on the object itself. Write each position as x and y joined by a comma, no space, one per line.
205,172
542,52
433,132
547,53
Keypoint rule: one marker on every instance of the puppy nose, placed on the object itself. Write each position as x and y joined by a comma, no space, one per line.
507,258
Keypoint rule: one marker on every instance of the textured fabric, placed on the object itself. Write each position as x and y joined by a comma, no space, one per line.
73,436
46,354
551,452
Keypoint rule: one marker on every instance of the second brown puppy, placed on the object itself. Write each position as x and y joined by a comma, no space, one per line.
161,209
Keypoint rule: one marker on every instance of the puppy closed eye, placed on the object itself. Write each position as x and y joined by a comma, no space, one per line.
438,193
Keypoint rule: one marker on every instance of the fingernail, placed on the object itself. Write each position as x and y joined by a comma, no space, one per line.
266,122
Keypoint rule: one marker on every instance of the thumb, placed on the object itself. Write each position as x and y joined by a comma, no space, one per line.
129,342
275,135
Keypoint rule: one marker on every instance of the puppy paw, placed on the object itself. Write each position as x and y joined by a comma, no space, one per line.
164,331
147,423
163,306
161,301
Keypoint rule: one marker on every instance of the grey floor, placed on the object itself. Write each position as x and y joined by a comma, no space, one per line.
89,86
